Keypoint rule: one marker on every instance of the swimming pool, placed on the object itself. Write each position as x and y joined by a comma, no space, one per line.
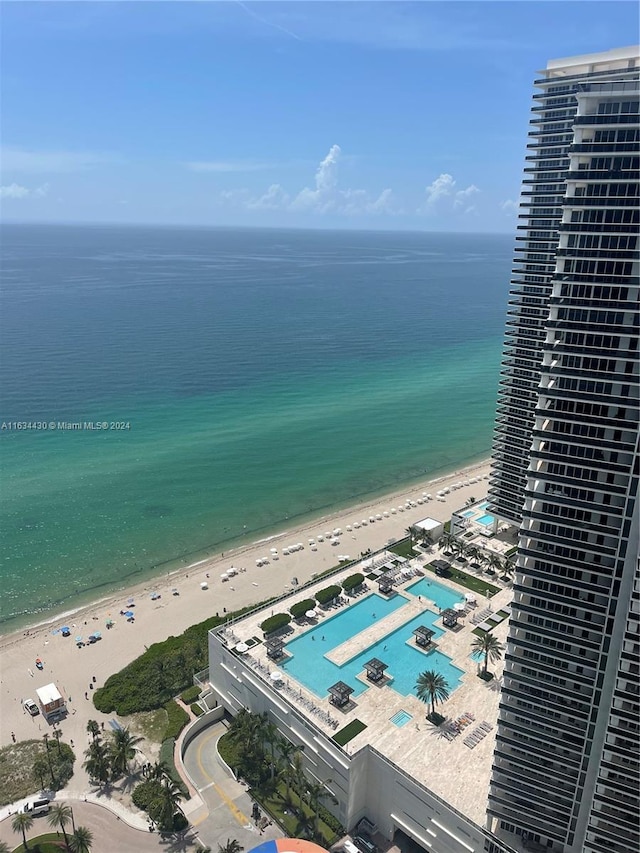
441,595
310,667
469,513
401,719
486,519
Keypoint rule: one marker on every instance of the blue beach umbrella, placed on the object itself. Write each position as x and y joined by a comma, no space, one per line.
129,614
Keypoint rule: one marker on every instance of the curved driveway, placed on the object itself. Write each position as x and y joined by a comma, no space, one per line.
227,806
109,832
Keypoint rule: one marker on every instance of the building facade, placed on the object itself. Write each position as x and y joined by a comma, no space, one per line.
549,158
566,467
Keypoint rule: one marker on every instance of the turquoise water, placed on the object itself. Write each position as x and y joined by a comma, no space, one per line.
469,513
441,595
310,667
486,519
262,377
401,719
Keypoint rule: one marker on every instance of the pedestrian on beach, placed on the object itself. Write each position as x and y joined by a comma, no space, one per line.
13,736
86,695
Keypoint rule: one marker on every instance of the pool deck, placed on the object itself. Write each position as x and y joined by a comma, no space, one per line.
448,767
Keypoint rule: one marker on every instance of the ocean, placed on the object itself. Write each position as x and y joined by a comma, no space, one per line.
247,378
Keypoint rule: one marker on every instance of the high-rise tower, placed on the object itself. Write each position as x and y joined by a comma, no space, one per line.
566,468
544,188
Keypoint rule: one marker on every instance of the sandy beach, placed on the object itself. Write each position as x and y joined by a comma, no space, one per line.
72,668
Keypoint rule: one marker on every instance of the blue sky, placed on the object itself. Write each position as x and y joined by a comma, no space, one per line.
386,115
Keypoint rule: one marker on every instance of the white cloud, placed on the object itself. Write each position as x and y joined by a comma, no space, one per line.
324,197
275,198
442,187
26,161
17,191
442,195
462,196
509,206
225,166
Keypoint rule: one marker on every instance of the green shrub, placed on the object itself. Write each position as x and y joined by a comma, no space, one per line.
197,709
145,793
165,669
166,757
178,719
190,694
275,622
324,596
179,822
301,607
352,582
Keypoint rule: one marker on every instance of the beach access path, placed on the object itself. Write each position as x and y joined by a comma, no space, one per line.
73,669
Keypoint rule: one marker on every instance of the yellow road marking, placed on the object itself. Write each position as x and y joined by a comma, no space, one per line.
235,811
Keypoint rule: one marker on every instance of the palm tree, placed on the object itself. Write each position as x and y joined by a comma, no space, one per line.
432,687
459,548
170,798
317,792
81,840
159,770
446,541
22,823
489,646
495,562
232,846
60,816
45,738
94,729
40,769
57,735
297,773
287,752
122,750
473,554
4,847
97,764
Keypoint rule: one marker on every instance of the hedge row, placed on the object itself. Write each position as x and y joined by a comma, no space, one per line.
324,596
190,694
178,719
275,622
352,582
166,757
197,709
301,608
162,672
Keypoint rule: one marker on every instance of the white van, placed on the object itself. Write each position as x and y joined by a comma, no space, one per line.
36,807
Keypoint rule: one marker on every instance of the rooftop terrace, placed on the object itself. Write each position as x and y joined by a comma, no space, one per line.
454,759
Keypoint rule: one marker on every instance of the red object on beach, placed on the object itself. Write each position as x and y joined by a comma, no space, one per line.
39,664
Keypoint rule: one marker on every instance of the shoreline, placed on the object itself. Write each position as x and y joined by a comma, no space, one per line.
171,568
77,670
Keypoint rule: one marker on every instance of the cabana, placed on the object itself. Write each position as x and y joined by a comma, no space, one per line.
340,694
275,647
423,636
375,669
449,618
385,585
441,567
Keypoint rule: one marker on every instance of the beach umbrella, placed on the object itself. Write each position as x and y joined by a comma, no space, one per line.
130,602
276,676
242,648
204,585
78,640
129,614
470,597
310,614
459,607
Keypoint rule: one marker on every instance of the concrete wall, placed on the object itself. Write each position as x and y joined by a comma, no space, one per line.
365,783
